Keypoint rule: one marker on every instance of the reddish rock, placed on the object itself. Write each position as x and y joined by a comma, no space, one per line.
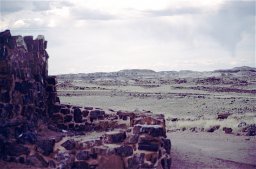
227,130
223,115
213,128
115,137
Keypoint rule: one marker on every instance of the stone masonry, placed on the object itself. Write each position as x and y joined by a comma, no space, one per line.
37,130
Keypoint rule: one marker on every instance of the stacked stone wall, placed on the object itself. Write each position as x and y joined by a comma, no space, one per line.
72,136
23,81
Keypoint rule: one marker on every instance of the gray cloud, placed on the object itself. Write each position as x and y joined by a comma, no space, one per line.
11,6
231,21
174,11
90,14
41,5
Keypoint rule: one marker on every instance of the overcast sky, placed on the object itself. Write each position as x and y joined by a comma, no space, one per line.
110,35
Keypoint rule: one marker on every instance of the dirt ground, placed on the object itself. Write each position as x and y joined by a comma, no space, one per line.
212,150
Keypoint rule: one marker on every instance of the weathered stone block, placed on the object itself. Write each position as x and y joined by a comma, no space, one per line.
57,118
124,151
136,161
65,110
166,163
68,118
148,144
45,146
78,115
97,114
82,155
69,144
80,165
115,137
167,145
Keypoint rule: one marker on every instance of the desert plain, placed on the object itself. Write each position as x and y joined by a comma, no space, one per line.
210,116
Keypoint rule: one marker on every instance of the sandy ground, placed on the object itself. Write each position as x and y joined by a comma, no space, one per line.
212,150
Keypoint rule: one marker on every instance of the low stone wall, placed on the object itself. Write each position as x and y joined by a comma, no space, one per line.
37,130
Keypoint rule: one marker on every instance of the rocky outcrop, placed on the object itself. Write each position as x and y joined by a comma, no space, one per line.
35,129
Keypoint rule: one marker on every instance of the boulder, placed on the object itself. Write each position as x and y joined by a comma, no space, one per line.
251,130
223,115
242,124
227,130
213,128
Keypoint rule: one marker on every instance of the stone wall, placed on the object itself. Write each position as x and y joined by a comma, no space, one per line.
25,87
35,129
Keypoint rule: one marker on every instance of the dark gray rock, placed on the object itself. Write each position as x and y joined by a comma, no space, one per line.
115,137
77,115
45,146
153,130
124,151
80,165
136,161
69,144
251,130
167,145
213,128
227,130
27,138
68,118
166,163
82,155
97,114
14,149
37,161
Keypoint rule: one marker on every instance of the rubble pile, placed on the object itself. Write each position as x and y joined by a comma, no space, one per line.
37,130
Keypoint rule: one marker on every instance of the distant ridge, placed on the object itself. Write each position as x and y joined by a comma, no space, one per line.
149,71
237,69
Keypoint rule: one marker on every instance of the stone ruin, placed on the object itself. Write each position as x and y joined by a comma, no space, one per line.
37,130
